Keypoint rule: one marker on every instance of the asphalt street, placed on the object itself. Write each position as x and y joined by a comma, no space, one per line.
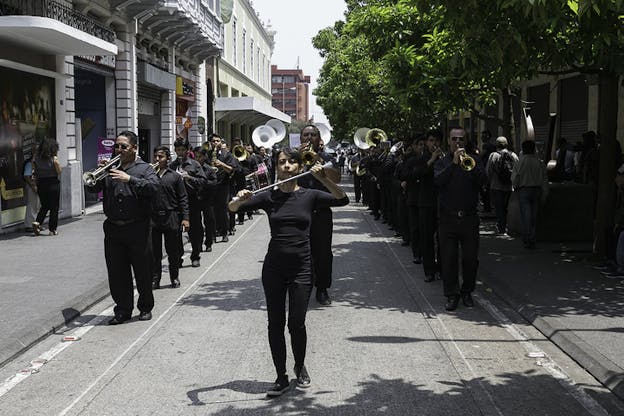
385,345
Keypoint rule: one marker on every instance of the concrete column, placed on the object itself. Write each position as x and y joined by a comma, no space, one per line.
126,85
167,118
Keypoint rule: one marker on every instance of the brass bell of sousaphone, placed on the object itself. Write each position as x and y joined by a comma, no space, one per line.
376,136
359,138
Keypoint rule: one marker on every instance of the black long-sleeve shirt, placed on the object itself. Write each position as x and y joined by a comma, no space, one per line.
172,194
458,190
196,181
129,201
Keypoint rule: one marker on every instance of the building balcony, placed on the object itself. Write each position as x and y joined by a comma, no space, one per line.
189,25
57,11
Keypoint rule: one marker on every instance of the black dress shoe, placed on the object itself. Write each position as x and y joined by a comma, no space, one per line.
429,278
322,297
145,316
452,303
225,239
195,263
208,249
156,284
119,319
280,386
467,300
175,283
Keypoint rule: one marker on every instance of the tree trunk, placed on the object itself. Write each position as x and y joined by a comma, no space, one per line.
506,114
607,125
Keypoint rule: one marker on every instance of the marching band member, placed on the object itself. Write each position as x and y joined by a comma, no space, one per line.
194,181
170,213
287,267
458,197
207,198
128,191
322,222
225,164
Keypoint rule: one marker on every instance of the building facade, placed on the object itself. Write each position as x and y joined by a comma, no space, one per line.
81,71
243,74
290,90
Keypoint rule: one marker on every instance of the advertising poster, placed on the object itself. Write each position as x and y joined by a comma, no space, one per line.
27,117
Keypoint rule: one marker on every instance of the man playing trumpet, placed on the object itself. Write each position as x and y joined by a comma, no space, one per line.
459,178
128,192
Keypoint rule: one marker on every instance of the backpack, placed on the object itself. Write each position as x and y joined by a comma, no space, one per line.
503,167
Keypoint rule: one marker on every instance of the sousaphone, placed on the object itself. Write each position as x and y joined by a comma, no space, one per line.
269,134
359,138
324,131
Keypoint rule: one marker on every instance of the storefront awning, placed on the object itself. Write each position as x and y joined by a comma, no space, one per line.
52,37
247,110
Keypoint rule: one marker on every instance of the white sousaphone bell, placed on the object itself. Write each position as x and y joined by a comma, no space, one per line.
324,131
269,134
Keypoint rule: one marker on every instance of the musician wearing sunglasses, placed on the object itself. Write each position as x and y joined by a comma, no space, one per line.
458,177
287,267
128,191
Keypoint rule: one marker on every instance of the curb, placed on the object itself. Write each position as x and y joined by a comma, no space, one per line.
69,311
603,369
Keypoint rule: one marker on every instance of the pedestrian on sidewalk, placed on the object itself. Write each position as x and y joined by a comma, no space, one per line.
499,167
530,182
30,194
128,192
287,267
47,171
458,198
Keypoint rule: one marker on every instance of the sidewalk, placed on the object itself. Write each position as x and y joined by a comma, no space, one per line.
555,288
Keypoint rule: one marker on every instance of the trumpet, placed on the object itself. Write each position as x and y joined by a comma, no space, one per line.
93,177
155,167
466,162
309,156
240,153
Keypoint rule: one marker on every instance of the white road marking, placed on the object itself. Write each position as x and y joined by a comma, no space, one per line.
37,363
593,407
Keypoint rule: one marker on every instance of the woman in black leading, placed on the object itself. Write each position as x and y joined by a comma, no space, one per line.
287,264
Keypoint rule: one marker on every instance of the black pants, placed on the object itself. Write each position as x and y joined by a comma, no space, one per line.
222,193
457,233
128,249
277,283
172,247
196,230
208,215
49,190
357,187
320,243
427,225
414,224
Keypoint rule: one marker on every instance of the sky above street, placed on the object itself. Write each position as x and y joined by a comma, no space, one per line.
296,23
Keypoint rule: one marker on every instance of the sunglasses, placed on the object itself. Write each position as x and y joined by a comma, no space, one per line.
121,146
455,139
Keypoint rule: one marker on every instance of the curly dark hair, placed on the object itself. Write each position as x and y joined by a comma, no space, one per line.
47,149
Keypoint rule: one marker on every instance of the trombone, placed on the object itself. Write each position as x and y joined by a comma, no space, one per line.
240,153
93,177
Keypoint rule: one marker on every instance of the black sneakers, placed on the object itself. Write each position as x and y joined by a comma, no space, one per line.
303,378
280,387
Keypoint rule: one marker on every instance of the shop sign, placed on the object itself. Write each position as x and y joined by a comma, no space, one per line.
185,89
107,61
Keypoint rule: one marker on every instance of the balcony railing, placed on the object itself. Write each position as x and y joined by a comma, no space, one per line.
57,11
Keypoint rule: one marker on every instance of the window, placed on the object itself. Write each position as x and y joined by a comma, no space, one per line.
258,63
234,42
251,58
243,47
276,79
